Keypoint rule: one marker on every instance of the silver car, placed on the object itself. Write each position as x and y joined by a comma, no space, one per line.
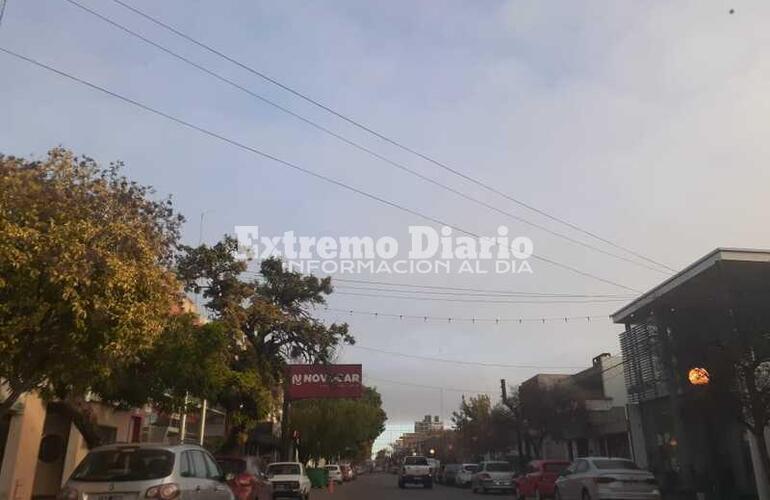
493,476
599,477
147,471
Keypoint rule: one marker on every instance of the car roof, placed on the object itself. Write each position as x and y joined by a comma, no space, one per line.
150,446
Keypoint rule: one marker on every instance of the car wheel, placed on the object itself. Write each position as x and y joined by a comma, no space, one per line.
586,496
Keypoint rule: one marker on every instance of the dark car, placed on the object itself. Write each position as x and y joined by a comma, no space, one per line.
245,478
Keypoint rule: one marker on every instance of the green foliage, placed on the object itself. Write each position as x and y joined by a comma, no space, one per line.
84,279
339,427
269,320
188,359
481,427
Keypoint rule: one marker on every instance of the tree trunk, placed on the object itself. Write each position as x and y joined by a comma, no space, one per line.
82,417
7,404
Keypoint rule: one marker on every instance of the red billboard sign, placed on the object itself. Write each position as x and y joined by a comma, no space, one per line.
323,381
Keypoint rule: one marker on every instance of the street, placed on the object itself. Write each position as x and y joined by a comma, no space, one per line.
385,487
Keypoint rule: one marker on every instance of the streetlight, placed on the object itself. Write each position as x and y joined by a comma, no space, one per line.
698,376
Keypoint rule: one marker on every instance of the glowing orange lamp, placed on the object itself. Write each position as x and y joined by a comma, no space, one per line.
699,376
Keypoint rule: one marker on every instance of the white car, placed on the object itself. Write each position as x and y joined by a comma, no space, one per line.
289,479
594,478
415,470
465,474
335,473
493,476
147,471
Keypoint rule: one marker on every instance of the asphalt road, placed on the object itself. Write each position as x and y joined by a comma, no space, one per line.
385,487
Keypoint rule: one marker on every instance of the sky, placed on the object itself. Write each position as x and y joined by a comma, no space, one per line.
644,122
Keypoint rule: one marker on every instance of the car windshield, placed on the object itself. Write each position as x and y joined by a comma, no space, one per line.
131,464
283,470
615,464
470,468
232,465
416,461
557,468
499,467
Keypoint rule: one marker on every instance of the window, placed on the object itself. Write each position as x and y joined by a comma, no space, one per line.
498,467
615,464
415,461
199,464
52,448
581,466
557,468
125,464
283,470
214,472
185,467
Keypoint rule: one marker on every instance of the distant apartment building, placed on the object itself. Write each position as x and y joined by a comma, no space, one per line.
428,425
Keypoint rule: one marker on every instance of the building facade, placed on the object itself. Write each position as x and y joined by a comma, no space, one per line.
690,435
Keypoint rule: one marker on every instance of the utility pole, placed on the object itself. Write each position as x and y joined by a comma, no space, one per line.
517,418
203,420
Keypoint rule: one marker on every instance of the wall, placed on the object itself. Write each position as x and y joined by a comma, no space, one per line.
18,465
613,380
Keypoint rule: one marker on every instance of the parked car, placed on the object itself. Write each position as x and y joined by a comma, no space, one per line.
593,478
153,471
539,478
244,478
289,479
415,470
335,473
448,473
493,476
434,467
464,474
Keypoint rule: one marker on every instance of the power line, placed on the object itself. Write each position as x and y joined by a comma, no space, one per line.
386,138
474,294
466,319
424,386
480,301
457,291
354,144
485,290
294,166
460,362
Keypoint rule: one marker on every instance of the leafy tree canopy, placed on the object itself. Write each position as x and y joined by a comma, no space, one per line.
84,272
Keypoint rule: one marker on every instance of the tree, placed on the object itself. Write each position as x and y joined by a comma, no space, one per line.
85,282
740,382
268,319
547,411
344,428
481,427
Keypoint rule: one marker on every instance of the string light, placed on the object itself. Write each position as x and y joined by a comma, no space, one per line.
472,320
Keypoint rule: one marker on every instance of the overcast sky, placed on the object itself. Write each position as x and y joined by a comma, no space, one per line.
645,122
